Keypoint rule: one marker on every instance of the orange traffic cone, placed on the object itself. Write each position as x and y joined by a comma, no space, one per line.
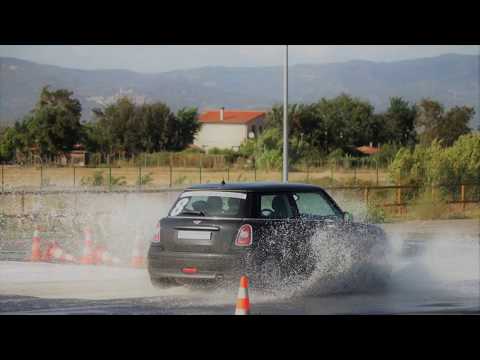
138,259
55,252
102,256
36,252
87,256
243,302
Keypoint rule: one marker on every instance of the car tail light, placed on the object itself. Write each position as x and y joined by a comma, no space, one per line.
244,235
190,270
156,236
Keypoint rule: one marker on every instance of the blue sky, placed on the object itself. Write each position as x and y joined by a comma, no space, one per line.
159,58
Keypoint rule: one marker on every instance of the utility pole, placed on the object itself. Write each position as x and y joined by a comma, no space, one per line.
285,117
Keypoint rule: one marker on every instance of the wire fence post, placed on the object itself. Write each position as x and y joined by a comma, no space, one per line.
376,164
200,171
399,200
254,170
110,178
308,172
171,173
41,176
228,173
3,182
73,176
462,195
365,196
354,172
139,177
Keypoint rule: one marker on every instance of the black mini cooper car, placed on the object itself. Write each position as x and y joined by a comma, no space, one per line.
219,231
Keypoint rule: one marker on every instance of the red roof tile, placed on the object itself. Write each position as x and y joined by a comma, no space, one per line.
368,150
230,117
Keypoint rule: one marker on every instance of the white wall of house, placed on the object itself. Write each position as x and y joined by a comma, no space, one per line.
222,136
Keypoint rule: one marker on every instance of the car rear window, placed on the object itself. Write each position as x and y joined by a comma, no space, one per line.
210,204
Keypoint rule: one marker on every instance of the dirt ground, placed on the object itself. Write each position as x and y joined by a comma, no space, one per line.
30,177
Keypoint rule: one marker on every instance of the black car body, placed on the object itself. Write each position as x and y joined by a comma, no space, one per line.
219,231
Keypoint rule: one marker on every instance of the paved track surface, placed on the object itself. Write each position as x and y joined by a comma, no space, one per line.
435,269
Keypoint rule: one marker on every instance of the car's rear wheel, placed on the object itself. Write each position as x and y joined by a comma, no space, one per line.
268,273
200,284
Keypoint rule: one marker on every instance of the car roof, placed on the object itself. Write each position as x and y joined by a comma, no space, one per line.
257,187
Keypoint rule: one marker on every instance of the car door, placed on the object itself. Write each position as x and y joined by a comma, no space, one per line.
276,227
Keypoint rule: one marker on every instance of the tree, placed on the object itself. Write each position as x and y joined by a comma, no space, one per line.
433,123
400,122
132,129
455,124
13,139
187,126
344,121
54,124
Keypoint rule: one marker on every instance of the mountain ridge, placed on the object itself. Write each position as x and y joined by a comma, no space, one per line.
452,79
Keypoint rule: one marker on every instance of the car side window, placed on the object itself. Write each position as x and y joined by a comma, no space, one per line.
313,204
274,206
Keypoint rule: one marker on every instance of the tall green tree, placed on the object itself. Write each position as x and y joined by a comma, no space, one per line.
433,123
12,139
124,127
54,124
400,122
455,124
187,126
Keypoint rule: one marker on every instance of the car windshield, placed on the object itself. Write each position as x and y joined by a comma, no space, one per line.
210,204
311,204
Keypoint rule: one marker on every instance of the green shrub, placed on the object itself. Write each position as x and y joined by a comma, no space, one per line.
98,179
95,180
145,179
180,180
427,207
375,213
118,181
434,164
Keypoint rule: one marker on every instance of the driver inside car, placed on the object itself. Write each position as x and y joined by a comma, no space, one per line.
214,206
279,208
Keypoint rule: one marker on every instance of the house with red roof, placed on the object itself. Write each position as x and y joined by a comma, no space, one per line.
227,129
368,150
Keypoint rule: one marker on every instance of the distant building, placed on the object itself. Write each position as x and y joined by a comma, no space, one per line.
227,129
368,150
77,157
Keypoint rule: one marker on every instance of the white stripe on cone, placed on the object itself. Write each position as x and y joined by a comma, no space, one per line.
242,294
58,253
107,258
69,257
88,248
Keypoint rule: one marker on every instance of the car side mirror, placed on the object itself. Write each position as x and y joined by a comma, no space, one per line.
347,216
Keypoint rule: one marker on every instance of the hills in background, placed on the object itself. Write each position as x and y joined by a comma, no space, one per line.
451,79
